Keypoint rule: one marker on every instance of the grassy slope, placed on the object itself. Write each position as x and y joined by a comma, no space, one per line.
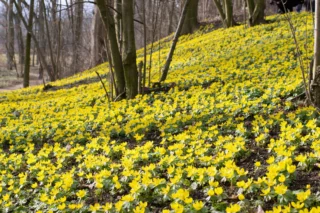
236,144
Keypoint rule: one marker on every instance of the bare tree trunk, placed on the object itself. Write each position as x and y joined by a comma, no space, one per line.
20,42
221,11
174,42
42,41
129,50
145,48
256,12
10,37
171,12
34,38
117,17
229,12
116,57
26,74
77,43
190,23
315,83
49,39
225,10
98,35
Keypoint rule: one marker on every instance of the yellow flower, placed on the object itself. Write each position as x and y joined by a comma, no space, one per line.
280,189
301,158
211,192
302,196
178,208
62,206
241,197
265,191
43,197
81,193
282,178
297,205
6,197
257,164
270,160
94,207
233,208
34,185
119,205
107,206
291,168
218,190
198,205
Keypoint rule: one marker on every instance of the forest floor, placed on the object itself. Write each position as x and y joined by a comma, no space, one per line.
10,81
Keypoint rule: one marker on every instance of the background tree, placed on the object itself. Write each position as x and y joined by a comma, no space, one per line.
191,23
10,37
129,50
315,83
26,74
98,38
225,9
256,12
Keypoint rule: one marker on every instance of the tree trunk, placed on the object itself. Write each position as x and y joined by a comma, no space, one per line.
171,12
221,11
42,41
77,43
26,74
256,12
10,37
191,23
98,35
129,50
115,54
117,17
229,13
225,10
36,43
48,36
174,42
19,37
315,83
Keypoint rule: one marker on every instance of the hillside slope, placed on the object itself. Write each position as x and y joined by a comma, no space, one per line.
230,146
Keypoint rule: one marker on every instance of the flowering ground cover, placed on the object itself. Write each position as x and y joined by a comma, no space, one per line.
226,138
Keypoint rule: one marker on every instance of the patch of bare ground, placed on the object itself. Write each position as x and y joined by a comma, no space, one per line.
9,80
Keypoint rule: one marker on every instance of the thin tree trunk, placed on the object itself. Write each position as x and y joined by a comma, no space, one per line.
171,12
116,57
154,25
144,47
41,34
20,42
10,37
49,40
129,50
315,84
256,12
34,38
228,12
117,17
77,43
26,74
221,11
98,37
174,42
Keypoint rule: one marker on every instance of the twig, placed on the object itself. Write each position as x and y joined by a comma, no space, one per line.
298,53
119,96
103,86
